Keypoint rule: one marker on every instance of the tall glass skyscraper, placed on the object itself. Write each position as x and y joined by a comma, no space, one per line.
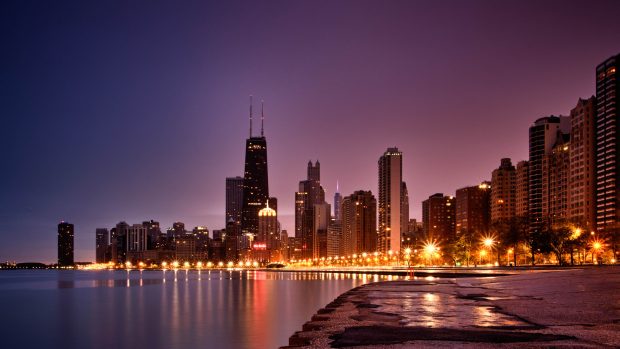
255,180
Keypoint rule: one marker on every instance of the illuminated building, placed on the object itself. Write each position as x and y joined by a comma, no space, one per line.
473,208
522,189
503,192
65,244
555,181
607,146
359,223
153,233
390,200
334,239
255,180
439,217
581,183
268,234
542,138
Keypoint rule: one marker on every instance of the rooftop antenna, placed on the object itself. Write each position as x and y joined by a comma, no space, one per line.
250,116
262,119
337,190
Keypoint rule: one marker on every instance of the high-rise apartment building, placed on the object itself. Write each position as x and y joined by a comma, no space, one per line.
65,244
522,189
555,182
439,217
473,208
102,243
542,138
390,200
503,192
607,147
581,181
255,180
359,223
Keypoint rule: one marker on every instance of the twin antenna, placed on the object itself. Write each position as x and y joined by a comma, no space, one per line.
262,118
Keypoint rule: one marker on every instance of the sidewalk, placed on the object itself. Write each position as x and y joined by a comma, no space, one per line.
575,308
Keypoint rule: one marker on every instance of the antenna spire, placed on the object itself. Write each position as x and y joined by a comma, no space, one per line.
250,116
262,119
337,190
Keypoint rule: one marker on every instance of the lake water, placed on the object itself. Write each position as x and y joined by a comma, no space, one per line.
157,309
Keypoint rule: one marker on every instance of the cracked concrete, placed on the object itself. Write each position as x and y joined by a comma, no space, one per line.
564,308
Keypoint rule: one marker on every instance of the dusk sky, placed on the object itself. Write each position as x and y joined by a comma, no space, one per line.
136,110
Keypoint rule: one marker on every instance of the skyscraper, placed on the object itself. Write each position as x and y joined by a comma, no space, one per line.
234,199
65,244
404,210
555,181
267,229
607,147
255,179
310,193
337,203
542,137
322,217
102,243
503,191
390,202
359,223
582,181
522,189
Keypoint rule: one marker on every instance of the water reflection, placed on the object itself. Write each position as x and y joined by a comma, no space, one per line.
166,308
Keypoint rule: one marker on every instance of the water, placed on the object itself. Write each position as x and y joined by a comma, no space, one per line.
157,309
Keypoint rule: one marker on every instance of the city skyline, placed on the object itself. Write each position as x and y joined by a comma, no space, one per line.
114,157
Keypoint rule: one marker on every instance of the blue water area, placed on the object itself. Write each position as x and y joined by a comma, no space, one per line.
161,309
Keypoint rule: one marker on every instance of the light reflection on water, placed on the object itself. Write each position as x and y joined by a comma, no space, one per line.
162,309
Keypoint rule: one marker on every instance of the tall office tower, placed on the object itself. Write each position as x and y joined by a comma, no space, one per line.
581,183
404,210
473,209
337,203
334,238
234,199
255,180
607,147
102,243
153,233
390,203
522,189
310,193
322,217
359,223
136,238
439,217
65,244
314,171
267,229
504,186
118,242
555,181
542,138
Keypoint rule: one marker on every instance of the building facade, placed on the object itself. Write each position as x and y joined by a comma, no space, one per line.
439,217
473,209
65,244
607,147
359,223
390,200
503,192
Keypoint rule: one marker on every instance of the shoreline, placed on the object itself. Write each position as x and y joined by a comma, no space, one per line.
473,312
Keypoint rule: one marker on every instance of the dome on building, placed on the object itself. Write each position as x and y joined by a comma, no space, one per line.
267,212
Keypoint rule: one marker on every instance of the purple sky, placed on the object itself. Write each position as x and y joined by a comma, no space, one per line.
137,110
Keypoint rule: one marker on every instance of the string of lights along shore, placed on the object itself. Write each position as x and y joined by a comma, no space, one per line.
561,205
